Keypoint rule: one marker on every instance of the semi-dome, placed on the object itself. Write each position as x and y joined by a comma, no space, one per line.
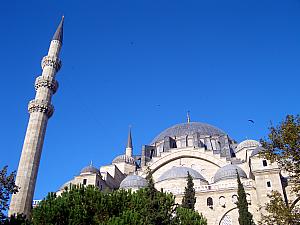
247,144
189,129
257,150
229,172
124,158
133,182
180,172
90,169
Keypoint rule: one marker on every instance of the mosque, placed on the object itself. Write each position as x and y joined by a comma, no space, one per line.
208,153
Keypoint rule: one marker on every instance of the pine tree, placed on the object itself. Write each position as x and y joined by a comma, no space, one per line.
189,198
245,217
151,188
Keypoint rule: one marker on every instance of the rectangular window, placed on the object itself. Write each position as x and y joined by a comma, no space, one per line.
84,181
268,183
265,163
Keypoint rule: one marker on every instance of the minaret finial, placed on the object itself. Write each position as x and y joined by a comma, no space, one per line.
188,116
59,31
91,164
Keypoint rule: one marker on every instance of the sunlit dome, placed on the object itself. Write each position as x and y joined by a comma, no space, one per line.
180,172
133,182
191,128
124,158
229,172
90,169
247,144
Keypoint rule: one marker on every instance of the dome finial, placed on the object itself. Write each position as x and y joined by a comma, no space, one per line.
188,116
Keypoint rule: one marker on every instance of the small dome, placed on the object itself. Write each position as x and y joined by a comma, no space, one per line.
67,184
257,150
184,129
124,158
229,172
247,144
89,169
133,182
180,172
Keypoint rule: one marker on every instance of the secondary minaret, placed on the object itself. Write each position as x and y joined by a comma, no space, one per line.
40,110
129,147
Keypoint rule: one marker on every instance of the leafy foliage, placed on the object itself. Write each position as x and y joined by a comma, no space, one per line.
88,206
189,200
7,187
279,212
245,217
283,146
189,217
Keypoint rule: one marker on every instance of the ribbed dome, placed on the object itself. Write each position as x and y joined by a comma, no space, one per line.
180,172
184,129
124,158
89,169
247,144
133,182
229,172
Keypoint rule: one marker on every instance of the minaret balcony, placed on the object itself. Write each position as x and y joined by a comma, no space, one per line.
42,106
51,61
47,82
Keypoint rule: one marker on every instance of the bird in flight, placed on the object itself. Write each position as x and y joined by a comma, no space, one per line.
251,121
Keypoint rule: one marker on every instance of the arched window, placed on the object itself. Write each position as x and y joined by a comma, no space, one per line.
222,201
234,198
248,197
210,202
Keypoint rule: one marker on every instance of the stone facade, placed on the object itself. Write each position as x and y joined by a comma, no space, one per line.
212,159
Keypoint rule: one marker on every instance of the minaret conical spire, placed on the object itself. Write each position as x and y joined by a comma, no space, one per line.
58,35
129,143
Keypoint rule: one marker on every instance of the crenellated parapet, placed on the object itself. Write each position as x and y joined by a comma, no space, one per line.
38,105
52,61
47,82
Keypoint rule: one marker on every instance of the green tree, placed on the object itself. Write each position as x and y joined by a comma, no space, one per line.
283,147
245,217
280,213
87,205
7,187
151,188
189,199
186,216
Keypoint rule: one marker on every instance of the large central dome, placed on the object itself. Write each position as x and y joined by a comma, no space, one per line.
183,129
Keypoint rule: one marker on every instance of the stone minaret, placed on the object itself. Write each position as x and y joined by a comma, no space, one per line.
40,110
129,147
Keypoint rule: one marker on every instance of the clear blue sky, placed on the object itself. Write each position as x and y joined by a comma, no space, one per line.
225,61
